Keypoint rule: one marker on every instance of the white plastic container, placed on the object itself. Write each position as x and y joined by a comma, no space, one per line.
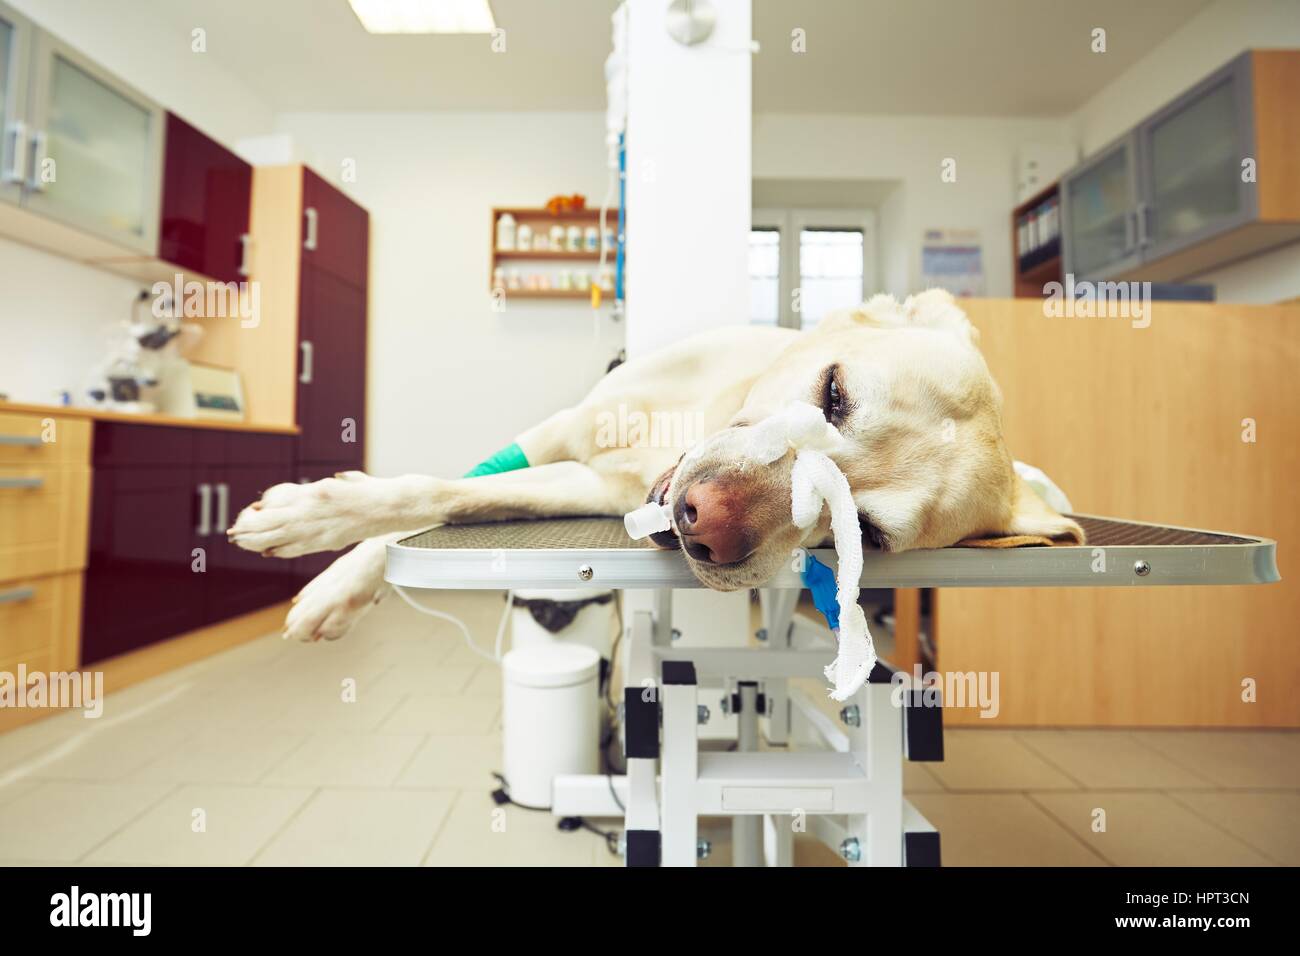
551,717
591,627
506,233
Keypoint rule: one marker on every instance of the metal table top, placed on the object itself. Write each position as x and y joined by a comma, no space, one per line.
559,553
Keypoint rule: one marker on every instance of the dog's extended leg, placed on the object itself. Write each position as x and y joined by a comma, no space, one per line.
292,520
332,602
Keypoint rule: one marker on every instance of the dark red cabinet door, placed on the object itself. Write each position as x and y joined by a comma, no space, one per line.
332,370
207,192
335,231
243,581
141,582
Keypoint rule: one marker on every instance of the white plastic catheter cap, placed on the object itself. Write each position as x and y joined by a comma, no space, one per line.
649,519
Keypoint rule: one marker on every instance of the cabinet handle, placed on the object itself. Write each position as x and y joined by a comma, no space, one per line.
39,142
15,595
16,483
312,219
27,441
15,147
205,511
1130,231
244,242
308,354
1143,237
223,507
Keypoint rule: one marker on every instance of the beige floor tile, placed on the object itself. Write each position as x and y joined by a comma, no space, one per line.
237,821
993,829
18,747
917,778
345,760
360,828
431,679
460,763
228,700
107,751
1108,760
1147,829
224,755
456,716
1246,759
1269,822
64,821
12,789
479,833
486,681
994,760
324,707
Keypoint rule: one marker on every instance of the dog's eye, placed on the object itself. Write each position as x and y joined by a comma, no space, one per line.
833,401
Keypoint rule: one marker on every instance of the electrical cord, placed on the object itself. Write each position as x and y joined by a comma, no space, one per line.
501,795
495,658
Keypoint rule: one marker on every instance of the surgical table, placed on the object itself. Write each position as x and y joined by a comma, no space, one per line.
842,782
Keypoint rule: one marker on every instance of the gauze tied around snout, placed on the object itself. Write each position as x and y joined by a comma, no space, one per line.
815,481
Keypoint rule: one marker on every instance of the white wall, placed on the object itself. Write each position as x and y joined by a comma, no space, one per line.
451,381
1205,42
910,150
62,312
56,319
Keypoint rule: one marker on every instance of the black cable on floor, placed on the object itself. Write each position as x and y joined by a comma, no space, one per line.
501,795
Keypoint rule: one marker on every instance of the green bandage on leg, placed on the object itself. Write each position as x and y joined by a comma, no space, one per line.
511,458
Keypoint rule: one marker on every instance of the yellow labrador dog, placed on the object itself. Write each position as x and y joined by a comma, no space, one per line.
904,384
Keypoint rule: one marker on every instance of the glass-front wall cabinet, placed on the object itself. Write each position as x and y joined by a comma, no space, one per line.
1100,235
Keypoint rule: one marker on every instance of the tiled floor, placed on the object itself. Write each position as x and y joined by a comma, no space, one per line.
254,757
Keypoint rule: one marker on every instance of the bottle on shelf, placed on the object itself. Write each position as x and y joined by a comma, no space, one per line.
506,233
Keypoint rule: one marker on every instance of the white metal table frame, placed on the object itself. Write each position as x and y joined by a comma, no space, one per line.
840,781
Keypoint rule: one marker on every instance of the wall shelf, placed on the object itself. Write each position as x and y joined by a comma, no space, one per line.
541,221
1033,268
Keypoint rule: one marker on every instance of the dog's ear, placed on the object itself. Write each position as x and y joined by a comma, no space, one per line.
932,309
1032,523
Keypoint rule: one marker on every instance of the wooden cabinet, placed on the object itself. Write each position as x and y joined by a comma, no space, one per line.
332,369
44,490
160,564
141,580
207,191
1208,179
89,147
304,363
335,231
15,50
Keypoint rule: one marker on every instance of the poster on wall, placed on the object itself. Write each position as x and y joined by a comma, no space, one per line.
953,259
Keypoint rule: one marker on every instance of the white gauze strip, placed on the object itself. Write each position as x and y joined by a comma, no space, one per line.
816,481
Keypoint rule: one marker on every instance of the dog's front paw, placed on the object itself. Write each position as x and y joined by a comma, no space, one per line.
290,520
331,603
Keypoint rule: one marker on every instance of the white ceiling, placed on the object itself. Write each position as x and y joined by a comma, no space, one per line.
969,57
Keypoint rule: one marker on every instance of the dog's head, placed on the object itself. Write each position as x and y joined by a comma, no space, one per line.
909,392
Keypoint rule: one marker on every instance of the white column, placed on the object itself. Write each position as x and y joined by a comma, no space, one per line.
688,176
